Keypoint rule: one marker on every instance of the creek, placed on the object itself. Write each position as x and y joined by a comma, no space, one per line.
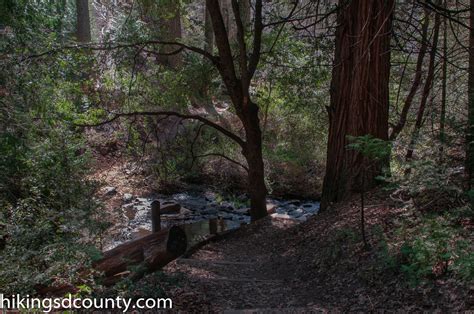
202,213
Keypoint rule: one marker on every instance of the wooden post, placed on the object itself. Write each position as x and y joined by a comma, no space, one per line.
155,216
213,226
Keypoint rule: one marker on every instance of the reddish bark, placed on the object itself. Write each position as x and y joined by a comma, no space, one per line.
359,93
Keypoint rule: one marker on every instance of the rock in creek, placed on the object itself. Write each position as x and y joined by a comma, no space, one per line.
127,197
110,190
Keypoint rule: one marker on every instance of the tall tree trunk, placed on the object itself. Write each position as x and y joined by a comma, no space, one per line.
83,26
442,118
416,81
208,33
170,30
245,9
237,82
359,93
426,89
226,9
470,129
61,12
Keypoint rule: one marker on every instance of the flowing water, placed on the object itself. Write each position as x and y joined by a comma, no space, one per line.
202,213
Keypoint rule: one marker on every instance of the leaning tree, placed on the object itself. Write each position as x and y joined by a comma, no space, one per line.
238,56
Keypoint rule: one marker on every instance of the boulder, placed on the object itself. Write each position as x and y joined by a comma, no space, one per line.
242,211
295,213
110,190
293,202
302,218
271,208
281,216
127,197
185,211
209,211
311,207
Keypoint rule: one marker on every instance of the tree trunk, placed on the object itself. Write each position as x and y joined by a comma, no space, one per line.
238,88
245,9
208,33
359,93
253,154
226,9
416,81
83,26
170,30
442,119
470,130
426,88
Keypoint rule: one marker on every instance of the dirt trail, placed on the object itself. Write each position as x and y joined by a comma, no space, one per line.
276,265
235,274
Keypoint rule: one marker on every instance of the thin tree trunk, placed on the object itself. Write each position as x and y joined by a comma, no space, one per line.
470,130
416,81
83,26
359,93
426,89
208,33
170,30
61,12
226,9
442,119
245,9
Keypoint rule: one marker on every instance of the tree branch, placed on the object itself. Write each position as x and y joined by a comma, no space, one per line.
242,47
257,39
225,157
112,46
210,123
226,63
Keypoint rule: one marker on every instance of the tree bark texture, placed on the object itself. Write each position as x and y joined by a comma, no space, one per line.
359,93
83,26
470,130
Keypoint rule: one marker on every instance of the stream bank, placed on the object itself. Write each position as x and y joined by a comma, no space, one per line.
202,211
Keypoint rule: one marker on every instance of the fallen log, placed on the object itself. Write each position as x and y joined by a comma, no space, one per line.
146,254
153,252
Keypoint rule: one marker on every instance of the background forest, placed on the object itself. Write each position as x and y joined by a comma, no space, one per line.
366,107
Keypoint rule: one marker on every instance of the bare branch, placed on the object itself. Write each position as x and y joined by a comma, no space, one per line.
225,157
113,46
257,39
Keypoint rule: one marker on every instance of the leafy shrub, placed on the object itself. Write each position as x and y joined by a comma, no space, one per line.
434,246
50,219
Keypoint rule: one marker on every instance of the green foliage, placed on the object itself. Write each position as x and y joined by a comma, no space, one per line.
375,149
50,218
429,246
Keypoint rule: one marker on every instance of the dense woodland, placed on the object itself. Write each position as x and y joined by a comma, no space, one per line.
363,107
